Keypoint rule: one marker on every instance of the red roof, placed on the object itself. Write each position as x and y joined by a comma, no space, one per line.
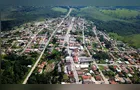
44,63
86,77
39,70
105,68
75,58
98,77
113,82
126,57
94,68
79,72
115,67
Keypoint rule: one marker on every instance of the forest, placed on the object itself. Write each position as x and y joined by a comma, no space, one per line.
14,67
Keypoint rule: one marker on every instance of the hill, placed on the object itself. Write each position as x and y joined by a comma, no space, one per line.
15,16
123,22
122,13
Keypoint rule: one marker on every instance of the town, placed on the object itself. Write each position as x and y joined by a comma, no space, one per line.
73,50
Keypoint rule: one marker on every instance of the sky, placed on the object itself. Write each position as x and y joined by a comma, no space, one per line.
69,2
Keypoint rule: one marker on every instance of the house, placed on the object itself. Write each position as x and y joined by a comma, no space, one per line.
125,70
98,78
91,71
106,68
120,74
88,74
86,77
68,59
50,45
84,65
68,67
75,58
41,66
85,59
121,80
118,70
96,72
29,66
80,73
40,71
127,80
65,69
94,68
86,81
64,83
113,82
130,75
130,70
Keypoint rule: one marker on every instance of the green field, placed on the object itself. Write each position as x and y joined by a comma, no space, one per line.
16,16
93,12
115,36
132,40
122,13
122,23
59,9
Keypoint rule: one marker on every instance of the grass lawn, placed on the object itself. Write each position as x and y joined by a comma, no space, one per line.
133,40
122,13
101,67
59,9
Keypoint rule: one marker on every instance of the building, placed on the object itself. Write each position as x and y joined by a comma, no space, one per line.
98,78
85,59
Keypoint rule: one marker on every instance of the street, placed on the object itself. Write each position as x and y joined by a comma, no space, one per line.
29,74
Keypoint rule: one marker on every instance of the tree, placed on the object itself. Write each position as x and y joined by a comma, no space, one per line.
65,77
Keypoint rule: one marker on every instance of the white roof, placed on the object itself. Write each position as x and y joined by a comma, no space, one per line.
88,74
29,66
68,58
118,70
91,71
77,65
119,61
84,65
20,40
81,47
130,75
126,62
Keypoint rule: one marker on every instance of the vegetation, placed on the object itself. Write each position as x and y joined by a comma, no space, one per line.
92,12
53,77
16,16
132,40
59,9
15,68
119,21
101,55
122,13
115,36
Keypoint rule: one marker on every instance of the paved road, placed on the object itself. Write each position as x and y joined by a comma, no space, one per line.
84,39
31,41
42,29
105,36
71,59
68,31
97,38
119,64
124,51
29,74
105,80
